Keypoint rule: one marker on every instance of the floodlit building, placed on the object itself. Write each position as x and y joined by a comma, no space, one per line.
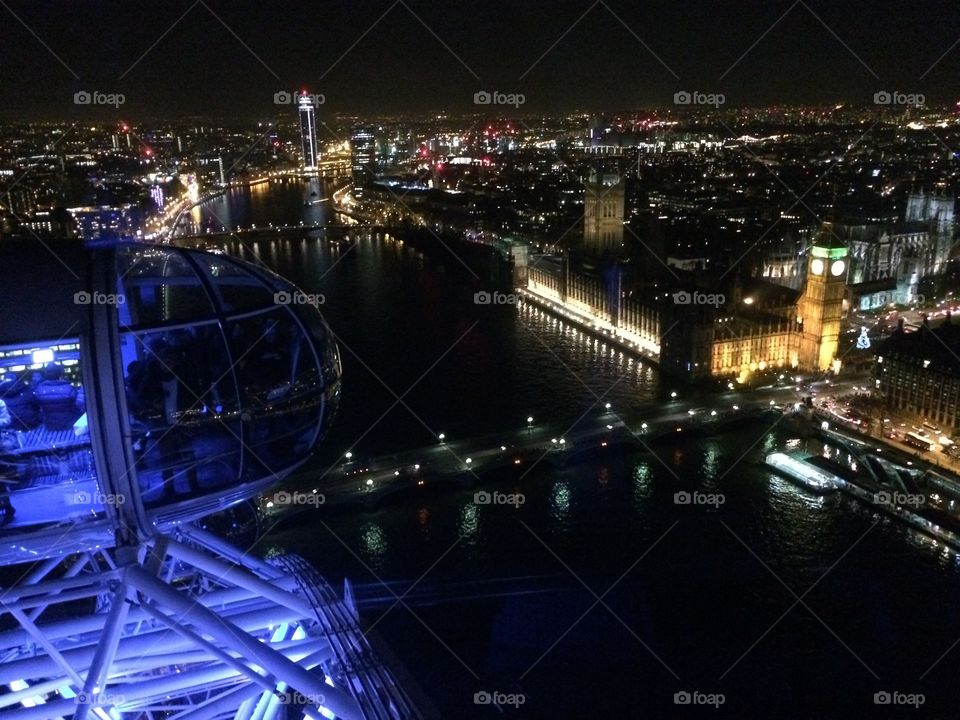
820,308
888,259
603,212
743,327
918,373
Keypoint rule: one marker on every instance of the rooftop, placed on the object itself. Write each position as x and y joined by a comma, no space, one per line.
937,348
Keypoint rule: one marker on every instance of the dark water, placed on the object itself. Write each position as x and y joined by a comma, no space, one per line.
496,598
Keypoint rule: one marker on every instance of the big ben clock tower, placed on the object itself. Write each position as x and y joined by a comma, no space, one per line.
821,306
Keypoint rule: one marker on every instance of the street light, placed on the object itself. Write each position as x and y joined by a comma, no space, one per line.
673,394
607,406
441,437
348,455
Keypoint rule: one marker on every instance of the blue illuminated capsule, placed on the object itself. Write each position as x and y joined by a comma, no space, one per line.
144,386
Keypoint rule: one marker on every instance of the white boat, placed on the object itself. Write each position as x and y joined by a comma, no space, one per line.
805,474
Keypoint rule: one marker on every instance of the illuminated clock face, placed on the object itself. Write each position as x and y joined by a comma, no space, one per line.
816,266
837,268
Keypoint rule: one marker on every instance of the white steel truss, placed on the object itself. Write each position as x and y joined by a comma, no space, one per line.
186,628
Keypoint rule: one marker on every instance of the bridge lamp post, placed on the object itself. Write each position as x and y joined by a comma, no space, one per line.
529,424
441,437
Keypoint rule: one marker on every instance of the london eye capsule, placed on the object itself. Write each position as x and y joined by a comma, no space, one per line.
144,386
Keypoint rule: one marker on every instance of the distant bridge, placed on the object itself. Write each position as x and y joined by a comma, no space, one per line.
285,231
369,480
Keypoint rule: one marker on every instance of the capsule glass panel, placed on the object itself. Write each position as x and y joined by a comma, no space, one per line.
47,472
183,409
158,286
235,287
281,390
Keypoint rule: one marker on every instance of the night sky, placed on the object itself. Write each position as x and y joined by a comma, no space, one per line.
227,59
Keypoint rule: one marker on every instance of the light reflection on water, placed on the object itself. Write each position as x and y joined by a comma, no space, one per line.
783,488
469,522
641,485
373,543
560,501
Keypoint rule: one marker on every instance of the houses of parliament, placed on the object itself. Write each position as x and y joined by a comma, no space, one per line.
698,323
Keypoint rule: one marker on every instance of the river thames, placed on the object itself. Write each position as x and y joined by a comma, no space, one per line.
598,596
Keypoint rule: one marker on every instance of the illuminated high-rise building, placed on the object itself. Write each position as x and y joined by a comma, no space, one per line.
363,156
308,132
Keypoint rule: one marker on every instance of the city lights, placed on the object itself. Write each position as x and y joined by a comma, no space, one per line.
213,276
